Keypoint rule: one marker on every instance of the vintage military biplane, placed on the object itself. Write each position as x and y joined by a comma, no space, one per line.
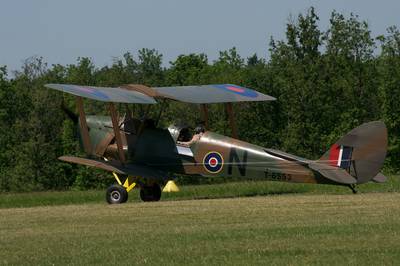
139,153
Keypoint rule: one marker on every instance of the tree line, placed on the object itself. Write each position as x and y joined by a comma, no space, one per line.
326,82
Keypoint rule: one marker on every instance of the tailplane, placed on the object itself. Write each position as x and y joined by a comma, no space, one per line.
361,152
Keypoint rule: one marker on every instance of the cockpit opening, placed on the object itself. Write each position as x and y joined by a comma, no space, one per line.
184,135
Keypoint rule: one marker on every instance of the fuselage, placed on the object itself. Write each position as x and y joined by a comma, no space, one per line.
212,155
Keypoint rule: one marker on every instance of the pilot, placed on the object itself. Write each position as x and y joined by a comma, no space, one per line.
199,131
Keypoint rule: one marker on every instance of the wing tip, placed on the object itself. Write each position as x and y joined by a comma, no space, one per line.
102,93
50,85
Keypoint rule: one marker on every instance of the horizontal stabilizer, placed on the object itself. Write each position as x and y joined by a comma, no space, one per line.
380,178
335,174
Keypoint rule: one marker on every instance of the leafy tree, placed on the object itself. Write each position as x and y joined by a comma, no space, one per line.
389,66
150,71
296,66
350,70
188,70
325,82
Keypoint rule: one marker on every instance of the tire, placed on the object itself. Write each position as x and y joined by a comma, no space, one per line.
156,192
126,198
116,194
150,193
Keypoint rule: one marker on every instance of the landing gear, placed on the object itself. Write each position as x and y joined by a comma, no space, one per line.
353,188
150,192
116,194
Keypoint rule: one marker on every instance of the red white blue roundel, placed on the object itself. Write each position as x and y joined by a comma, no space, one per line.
237,90
94,92
213,162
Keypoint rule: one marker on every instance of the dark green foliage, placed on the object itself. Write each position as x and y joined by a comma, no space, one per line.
325,82
189,69
389,74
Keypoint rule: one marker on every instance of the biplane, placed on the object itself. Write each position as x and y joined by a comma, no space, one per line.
140,154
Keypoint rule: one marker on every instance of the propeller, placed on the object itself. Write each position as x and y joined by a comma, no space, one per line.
70,114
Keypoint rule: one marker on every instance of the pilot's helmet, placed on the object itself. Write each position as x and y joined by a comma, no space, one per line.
199,129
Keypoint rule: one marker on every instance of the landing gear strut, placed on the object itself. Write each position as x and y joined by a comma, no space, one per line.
353,188
118,193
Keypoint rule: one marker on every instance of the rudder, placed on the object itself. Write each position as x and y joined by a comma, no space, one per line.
361,152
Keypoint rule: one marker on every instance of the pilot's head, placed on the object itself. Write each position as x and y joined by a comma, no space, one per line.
199,129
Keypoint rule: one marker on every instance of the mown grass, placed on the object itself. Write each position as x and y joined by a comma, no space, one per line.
227,190
284,229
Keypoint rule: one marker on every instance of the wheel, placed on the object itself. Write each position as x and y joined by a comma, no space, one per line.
156,192
126,198
150,193
116,194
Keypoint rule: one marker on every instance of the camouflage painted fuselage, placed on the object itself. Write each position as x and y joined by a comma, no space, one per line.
218,155
154,153
212,155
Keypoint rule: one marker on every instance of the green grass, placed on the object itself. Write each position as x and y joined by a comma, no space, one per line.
243,223
287,229
228,190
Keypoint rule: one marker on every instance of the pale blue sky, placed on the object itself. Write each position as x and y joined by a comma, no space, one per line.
61,31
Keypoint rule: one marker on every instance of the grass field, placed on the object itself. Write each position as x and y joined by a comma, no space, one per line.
284,229
227,190
296,224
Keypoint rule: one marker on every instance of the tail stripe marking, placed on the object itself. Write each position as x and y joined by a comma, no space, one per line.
334,155
340,156
339,160
345,157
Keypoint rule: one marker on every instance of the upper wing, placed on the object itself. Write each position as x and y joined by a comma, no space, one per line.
104,94
219,93
202,94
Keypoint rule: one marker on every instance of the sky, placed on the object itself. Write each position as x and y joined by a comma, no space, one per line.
62,31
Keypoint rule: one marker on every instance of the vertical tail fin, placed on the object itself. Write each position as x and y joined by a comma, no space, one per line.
361,152
340,156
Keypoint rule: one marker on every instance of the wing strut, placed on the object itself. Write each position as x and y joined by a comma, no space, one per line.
117,133
204,114
83,125
229,110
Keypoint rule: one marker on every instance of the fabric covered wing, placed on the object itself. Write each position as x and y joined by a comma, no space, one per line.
112,166
117,95
93,163
219,93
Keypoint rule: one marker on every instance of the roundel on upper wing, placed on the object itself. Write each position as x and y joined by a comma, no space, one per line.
213,162
238,90
94,92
